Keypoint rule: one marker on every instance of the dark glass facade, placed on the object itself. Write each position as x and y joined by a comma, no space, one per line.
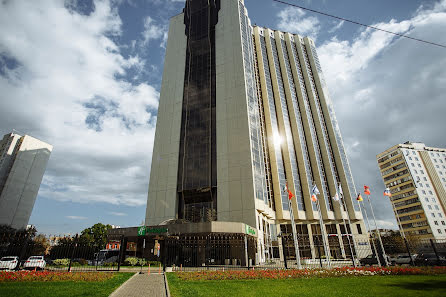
197,170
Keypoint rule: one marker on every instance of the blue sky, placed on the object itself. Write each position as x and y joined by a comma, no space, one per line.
85,77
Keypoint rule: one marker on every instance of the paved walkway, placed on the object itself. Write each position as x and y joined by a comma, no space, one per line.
142,285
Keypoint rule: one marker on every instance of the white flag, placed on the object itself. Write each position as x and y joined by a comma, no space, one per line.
315,190
340,191
336,197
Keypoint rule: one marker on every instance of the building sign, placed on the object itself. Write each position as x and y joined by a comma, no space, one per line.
156,230
143,230
249,230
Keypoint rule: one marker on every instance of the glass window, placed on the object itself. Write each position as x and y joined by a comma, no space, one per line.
443,223
433,215
422,172
439,231
427,199
425,179
416,158
358,226
430,207
436,207
436,222
419,165
423,191
440,215
430,192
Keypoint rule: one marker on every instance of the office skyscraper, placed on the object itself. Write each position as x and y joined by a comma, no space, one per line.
244,110
23,162
416,176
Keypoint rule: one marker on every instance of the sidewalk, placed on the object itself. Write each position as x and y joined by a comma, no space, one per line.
142,285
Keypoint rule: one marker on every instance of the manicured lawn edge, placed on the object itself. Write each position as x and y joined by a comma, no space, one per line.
64,288
370,286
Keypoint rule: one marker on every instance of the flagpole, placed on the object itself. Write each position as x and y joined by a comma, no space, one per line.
323,234
397,219
379,234
293,225
324,239
296,243
373,242
341,196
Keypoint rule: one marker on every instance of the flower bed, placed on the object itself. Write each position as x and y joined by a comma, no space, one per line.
307,273
50,276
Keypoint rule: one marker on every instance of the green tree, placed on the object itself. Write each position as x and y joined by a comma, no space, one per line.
40,245
95,236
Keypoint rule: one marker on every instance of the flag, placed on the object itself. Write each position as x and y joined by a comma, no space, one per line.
336,197
387,192
340,191
286,190
314,192
359,198
366,190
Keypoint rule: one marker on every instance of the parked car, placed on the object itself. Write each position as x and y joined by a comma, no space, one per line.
429,259
9,263
34,262
371,260
404,259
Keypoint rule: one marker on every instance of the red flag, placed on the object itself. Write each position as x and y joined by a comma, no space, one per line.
366,190
290,195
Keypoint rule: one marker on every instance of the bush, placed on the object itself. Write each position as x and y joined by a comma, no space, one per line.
153,263
62,262
131,261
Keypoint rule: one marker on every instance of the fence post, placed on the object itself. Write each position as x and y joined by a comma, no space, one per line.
408,251
435,251
165,254
284,251
319,250
23,251
122,249
247,249
72,253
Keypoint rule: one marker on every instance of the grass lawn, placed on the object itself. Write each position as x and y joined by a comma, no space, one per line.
63,288
394,285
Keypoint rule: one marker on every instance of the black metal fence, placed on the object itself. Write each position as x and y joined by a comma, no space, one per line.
28,255
220,252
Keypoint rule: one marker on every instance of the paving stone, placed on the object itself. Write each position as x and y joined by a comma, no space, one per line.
142,285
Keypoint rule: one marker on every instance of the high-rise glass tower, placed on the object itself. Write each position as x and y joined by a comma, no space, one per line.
244,110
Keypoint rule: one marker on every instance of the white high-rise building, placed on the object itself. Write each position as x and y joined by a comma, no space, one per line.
23,161
245,110
416,176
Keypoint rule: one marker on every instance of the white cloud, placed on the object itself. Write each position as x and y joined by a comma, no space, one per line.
76,218
294,20
151,31
337,27
387,90
65,89
119,214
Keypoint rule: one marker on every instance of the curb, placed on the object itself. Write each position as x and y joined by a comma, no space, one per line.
166,286
117,289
